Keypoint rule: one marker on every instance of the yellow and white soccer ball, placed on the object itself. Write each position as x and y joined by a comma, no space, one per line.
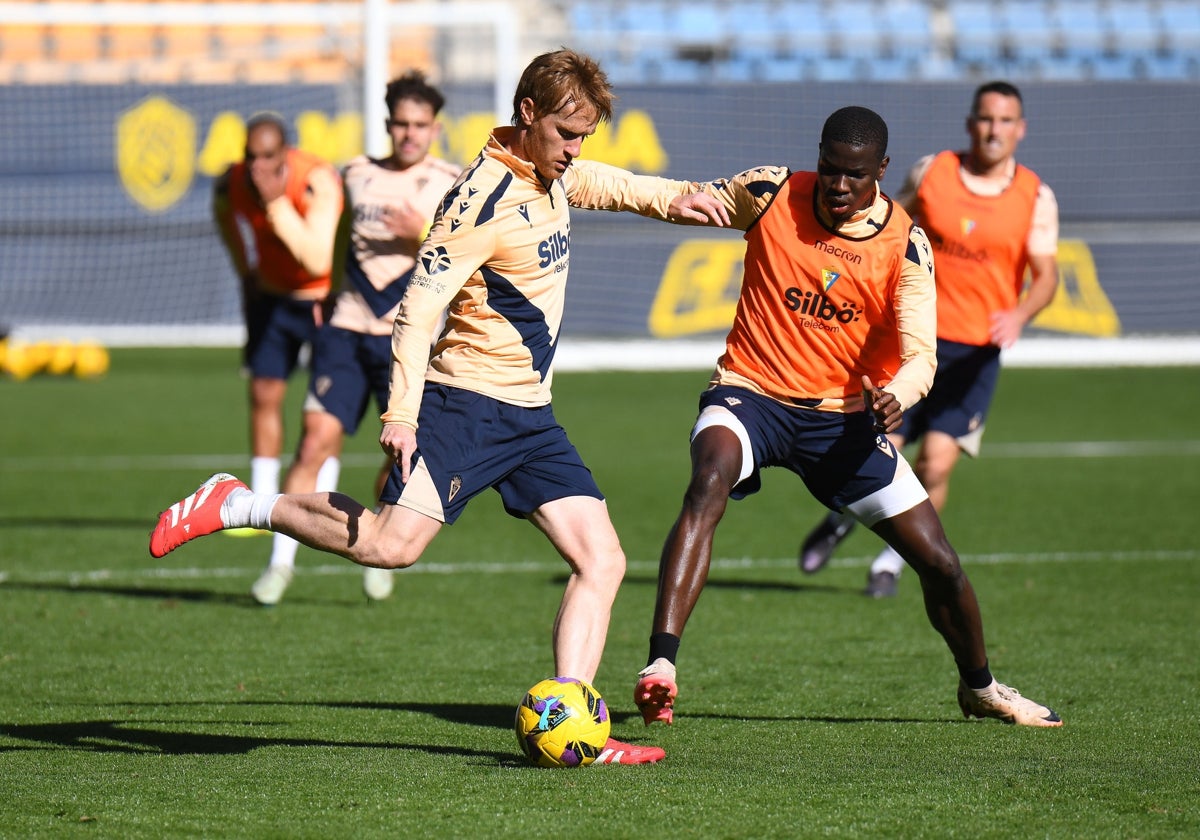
562,722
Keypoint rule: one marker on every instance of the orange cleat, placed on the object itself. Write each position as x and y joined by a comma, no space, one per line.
195,516
618,752
655,692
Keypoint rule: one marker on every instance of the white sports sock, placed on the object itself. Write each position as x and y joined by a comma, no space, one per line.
283,552
247,509
888,561
264,475
327,476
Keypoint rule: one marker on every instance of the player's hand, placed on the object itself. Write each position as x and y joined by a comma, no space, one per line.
270,182
1006,328
883,405
399,442
698,209
403,222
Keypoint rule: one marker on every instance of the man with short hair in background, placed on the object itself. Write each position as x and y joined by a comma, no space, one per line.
987,218
390,204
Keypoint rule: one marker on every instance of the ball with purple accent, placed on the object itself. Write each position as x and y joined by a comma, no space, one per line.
562,722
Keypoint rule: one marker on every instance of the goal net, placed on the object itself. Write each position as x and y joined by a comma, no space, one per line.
120,115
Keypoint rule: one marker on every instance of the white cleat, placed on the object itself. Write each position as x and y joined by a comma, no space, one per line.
269,588
1004,703
377,583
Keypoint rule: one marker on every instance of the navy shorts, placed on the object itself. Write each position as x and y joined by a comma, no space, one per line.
467,442
840,457
348,368
276,329
958,402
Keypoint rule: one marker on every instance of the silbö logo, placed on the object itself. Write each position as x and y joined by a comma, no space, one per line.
553,248
822,308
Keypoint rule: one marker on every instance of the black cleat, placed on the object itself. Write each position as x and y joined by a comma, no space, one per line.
880,585
818,546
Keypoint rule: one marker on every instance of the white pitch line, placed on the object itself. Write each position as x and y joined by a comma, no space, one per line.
1091,449
76,578
141,463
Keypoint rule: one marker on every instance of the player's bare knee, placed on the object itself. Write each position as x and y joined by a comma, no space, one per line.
939,560
368,544
707,493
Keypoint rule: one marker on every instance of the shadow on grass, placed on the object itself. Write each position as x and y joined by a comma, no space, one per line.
798,585
492,715
144,524
106,736
152,592
500,716
158,593
163,737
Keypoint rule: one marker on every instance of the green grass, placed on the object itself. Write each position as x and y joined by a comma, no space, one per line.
144,698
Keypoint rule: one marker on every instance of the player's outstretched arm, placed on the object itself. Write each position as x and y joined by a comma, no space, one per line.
698,209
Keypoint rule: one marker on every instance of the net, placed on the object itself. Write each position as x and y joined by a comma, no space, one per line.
113,141
115,131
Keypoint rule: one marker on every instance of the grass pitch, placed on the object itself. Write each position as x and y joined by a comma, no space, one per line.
144,698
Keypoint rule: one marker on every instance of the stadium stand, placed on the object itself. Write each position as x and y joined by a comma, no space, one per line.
220,51
909,28
1025,26
1080,29
1135,29
669,41
892,40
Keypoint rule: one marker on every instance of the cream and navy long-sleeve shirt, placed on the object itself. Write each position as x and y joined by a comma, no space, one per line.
496,259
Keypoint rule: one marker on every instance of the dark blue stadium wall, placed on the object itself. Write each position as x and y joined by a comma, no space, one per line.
105,211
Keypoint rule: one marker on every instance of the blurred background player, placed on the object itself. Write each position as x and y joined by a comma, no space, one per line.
390,204
478,414
277,212
987,219
833,340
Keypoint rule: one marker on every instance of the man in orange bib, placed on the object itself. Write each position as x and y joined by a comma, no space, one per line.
833,341
988,219
277,213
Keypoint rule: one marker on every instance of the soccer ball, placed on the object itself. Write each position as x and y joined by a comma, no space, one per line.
562,722
91,360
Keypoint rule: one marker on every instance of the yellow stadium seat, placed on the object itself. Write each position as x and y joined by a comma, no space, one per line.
22,42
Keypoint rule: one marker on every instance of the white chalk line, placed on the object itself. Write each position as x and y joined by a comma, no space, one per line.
1032,450
79,578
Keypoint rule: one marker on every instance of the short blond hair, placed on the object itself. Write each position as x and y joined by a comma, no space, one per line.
561,77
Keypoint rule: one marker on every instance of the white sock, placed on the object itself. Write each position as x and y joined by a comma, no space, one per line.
327,476
283,552
888,561
264,475
247,509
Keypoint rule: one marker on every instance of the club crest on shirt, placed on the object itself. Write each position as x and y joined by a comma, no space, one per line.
967,226
829,277
435,260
